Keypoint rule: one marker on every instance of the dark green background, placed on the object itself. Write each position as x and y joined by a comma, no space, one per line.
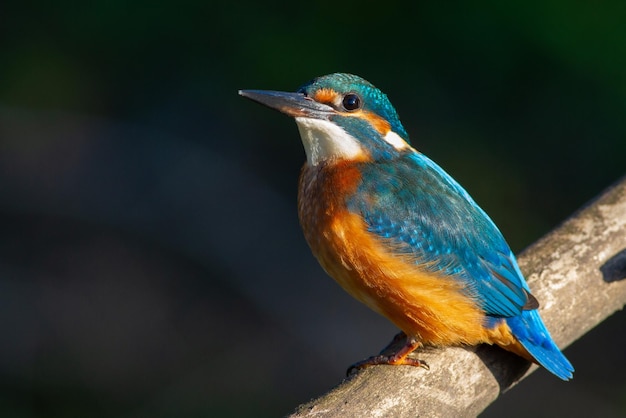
151,263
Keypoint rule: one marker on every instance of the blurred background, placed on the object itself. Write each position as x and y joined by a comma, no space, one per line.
151,262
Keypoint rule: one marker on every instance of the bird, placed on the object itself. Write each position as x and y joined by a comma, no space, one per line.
402,236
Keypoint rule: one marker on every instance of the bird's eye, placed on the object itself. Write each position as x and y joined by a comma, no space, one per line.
351,102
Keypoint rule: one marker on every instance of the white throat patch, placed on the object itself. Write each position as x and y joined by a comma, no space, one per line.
323,140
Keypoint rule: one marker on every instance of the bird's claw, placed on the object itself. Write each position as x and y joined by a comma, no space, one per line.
389,360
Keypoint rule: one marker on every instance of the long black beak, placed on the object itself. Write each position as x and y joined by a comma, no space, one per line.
292,104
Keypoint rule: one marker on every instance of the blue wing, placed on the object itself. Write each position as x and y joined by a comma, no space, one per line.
418,204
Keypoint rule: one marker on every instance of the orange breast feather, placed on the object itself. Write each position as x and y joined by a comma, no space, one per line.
429,306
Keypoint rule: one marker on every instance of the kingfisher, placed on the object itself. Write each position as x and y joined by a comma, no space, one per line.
400,234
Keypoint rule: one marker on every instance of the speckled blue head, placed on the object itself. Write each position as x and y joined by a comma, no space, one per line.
373,100
341,117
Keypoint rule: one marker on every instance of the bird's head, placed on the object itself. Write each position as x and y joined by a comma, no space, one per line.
340,117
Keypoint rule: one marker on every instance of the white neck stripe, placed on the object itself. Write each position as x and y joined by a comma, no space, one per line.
396,141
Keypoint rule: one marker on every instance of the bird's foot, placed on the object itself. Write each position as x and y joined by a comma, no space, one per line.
399,358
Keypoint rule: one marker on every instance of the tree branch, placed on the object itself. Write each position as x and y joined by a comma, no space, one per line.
577,273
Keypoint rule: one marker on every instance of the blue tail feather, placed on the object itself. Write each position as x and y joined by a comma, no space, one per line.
531,332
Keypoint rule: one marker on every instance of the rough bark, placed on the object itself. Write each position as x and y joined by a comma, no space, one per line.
577,272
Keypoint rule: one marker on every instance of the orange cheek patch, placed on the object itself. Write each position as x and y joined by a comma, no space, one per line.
380,124
326,96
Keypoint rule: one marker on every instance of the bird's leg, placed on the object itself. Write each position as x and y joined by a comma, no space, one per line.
398,358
